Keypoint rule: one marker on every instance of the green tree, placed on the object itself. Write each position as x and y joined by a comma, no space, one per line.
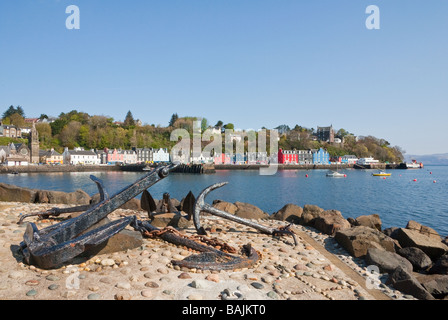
129,119
173,119
17,120
219,124
229,126
11,110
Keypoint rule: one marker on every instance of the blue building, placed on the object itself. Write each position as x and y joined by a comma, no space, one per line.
321,156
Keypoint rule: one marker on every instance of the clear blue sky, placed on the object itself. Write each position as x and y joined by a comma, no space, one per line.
250,62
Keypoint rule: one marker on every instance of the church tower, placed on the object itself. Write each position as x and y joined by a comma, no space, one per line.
34,145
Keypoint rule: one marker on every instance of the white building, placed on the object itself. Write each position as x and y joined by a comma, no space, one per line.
369,160
129,156
349,159
201,158
161,155
80,156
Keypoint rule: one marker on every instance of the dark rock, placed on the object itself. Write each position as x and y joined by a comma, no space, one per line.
330,221
403,280
386,261
435,284
357,240
416,257
290,212
391,232
180,221
249,211
440,266
433,247
13,193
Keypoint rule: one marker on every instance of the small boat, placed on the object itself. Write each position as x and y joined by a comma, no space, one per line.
336,174
381,174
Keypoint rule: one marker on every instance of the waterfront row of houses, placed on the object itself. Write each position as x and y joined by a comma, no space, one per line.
20,154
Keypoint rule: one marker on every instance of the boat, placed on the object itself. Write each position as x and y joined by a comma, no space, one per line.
381,174
414,165
336,174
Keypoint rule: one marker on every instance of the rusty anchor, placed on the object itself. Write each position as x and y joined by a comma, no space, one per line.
201,205
52,246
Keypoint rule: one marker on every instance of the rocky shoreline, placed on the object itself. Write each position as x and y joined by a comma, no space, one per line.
335,259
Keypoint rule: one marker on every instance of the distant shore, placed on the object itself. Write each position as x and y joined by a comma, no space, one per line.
207,168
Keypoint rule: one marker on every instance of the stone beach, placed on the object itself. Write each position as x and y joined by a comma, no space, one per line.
318,268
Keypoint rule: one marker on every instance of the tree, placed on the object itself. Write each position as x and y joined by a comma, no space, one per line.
129,119
17,120
173,119
11,110
219,124
229,126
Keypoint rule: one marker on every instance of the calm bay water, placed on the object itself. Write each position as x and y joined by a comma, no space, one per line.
397,199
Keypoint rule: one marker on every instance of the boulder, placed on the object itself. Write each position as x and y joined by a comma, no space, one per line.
372,221
225,206
433,247
413,225
122,241
330,221
440,266
357,240
386,261
416,257
11,193
310,212
435,284
162,220
78,197
249,211
403,280
180,221
391,232
290,212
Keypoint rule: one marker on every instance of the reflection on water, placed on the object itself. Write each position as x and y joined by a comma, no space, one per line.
397,199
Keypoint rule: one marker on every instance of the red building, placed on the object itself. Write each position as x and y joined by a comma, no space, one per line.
287,157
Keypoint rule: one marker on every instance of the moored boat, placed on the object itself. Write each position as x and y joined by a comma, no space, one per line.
381,174
336,174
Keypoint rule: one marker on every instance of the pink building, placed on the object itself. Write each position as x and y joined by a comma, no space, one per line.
114,156
222,158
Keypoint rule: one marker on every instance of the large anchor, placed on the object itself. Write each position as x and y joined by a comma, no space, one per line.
201,205
52,246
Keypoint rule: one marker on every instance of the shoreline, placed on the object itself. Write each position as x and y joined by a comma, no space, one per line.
311,271
206,169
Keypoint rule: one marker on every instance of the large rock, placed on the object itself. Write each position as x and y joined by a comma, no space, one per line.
386,261
330,222
249,211
225,206
432,246
403,280
416,257
357,240
290,212
440,266
162,220
11,193
122,241
372,221
425,230
435,284
310,212
78,197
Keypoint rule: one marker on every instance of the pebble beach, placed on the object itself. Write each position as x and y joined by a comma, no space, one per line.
316,269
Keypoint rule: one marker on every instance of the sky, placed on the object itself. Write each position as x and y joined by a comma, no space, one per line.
253,63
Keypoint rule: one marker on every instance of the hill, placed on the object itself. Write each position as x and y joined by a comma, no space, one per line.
429,159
